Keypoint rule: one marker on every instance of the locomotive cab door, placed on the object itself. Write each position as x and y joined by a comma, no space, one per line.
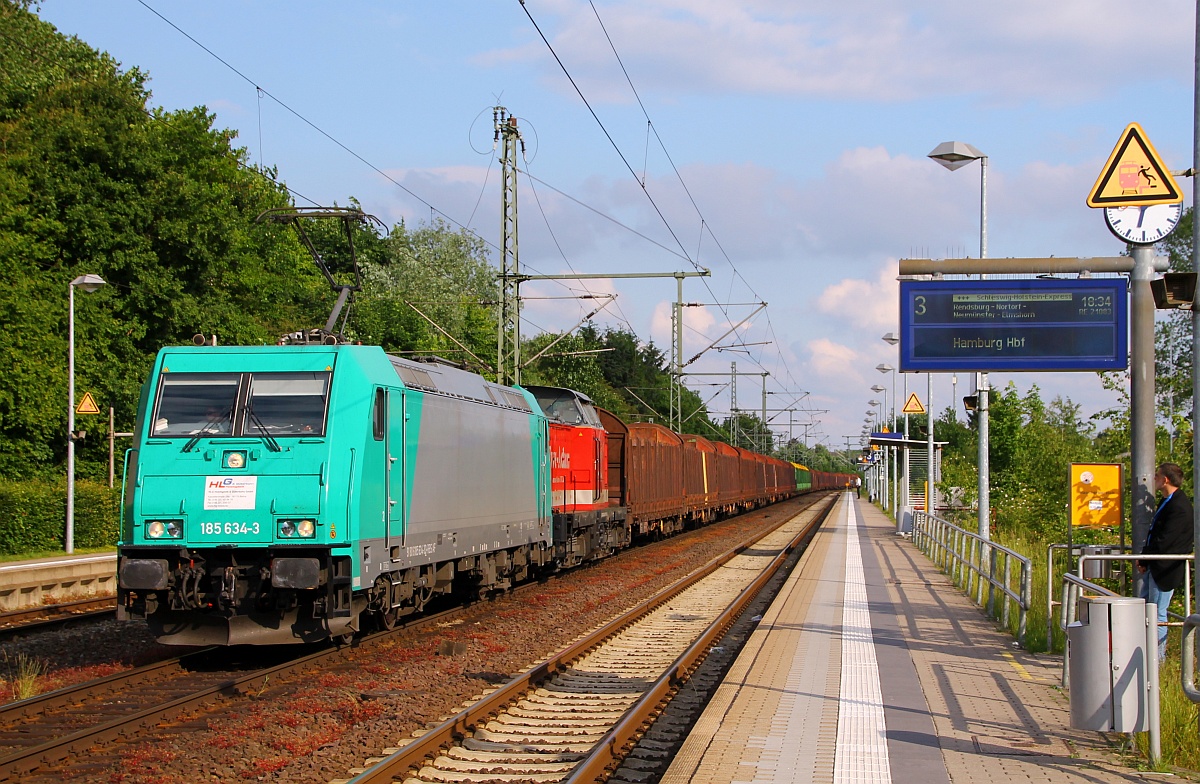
396,468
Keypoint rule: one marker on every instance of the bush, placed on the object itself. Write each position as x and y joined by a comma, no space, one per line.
34,514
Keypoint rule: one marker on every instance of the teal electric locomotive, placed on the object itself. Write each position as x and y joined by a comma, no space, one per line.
283,494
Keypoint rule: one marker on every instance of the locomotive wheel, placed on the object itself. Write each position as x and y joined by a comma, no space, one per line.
387,620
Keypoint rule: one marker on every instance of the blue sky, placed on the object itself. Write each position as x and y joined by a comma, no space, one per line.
800,134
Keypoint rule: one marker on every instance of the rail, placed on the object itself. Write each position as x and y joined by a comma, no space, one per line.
971,561
604,754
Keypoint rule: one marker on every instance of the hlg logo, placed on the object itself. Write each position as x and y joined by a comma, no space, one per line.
221,482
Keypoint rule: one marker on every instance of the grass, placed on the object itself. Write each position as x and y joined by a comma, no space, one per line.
21,673
54,554
1179,717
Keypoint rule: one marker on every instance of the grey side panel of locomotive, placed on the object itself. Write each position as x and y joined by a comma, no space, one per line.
475,482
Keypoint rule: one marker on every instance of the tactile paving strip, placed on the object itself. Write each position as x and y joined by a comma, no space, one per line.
862,754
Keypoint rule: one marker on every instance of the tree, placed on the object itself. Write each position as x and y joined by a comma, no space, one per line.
157,203
1173,356
438,272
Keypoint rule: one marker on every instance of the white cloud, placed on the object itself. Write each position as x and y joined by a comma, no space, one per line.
831,360
1058,52
866,305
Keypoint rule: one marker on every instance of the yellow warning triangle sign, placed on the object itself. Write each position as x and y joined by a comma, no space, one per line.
1134,176
87,405
913,405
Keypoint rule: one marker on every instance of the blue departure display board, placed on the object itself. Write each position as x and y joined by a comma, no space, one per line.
1013,325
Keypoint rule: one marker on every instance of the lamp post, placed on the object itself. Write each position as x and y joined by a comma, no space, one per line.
892,339
886,368
955,155
879,389
88,283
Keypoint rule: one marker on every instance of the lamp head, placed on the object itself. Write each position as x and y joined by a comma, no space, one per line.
88,283
878,389
884,368
891,338
955,155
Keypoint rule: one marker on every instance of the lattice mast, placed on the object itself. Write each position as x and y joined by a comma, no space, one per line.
508,339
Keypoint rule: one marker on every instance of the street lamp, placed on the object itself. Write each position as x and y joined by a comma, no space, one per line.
891,338
88,283
955,155
883,367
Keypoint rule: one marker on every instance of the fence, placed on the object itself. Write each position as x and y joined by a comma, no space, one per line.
972,561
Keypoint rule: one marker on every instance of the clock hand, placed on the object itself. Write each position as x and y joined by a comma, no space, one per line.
1141,215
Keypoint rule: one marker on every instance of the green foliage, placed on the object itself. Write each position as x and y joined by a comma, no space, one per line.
817,457
1173,358
415,279
156,203
35,512
1032,445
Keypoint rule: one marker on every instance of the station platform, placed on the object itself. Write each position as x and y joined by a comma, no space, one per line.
871,667
32,583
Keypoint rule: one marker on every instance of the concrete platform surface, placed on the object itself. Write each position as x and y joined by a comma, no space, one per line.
25,584
871,667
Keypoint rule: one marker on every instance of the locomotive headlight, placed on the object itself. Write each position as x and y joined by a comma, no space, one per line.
160,529
303,529
235,459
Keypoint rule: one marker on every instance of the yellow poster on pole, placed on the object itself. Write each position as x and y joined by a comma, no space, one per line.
1096,498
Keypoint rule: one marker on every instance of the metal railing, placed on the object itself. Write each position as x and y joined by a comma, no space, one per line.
1101,555
1188,671
973,562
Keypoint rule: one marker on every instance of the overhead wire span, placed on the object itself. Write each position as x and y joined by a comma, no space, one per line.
432,209
651,128
607,135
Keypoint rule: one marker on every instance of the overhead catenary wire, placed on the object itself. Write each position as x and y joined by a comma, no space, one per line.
682,252
642,180
434,211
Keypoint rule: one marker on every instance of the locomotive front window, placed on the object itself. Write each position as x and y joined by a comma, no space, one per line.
561,407
195,403
287,404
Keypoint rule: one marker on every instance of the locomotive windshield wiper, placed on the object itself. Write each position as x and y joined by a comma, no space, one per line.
272,444
217,417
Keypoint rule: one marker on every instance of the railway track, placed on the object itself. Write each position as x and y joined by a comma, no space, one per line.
573,716
81,730
44,731
55,615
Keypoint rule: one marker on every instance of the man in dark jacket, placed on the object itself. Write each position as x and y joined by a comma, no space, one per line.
1170,533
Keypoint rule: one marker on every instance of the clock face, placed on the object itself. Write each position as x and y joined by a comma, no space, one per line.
1143,225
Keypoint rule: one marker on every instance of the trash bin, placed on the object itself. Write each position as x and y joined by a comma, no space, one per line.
1097,569
1106,655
